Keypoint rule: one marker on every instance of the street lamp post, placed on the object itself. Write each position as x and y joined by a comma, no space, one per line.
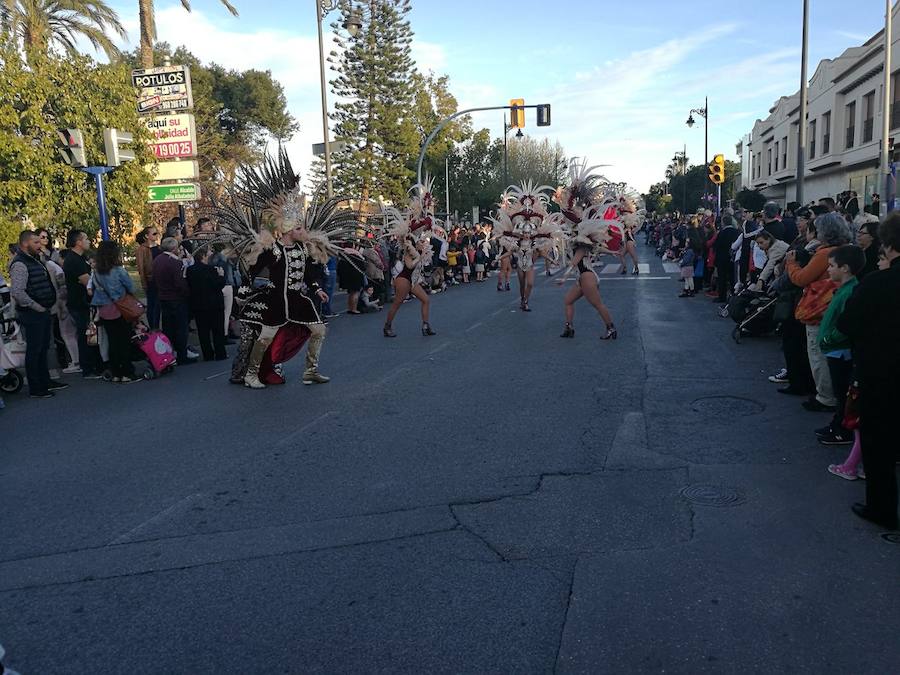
506,129
352,24
680,159
704,113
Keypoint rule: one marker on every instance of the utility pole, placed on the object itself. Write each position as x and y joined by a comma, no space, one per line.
804,104
887,167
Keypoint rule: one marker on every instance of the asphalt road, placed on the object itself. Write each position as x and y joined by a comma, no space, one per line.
491,499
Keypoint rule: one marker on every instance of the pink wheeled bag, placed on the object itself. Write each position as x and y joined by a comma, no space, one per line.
157,349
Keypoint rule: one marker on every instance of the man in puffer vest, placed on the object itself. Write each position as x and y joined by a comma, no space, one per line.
34,296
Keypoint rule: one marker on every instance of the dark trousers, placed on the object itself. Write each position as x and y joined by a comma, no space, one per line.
879,402
38,333
59,345
175,319
841,372
118,333
796,357
153,308
211,333
88,357
725,275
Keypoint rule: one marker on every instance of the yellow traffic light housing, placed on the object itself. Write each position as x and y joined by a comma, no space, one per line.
517,113
717,170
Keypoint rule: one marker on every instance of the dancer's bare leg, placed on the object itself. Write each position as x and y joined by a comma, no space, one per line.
419,293
591,291
572,296
401,290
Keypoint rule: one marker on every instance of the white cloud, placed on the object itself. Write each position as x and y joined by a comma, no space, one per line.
429,56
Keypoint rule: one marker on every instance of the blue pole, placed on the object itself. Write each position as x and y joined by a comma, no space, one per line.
97,172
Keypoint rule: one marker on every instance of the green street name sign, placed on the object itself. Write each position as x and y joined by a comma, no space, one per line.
173,192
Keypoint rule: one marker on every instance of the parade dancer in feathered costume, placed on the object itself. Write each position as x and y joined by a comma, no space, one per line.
591,215
412,231
632,219
527,231
283,242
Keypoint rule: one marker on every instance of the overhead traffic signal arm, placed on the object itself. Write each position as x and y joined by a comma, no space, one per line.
717,170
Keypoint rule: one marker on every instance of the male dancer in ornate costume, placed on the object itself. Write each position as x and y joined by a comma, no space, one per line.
283,243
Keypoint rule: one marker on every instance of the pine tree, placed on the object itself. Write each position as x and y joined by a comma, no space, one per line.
375,94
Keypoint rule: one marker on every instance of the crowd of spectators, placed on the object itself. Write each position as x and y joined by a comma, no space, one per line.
67,302
831,276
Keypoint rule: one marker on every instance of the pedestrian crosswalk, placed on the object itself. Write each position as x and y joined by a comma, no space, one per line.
655,266
671,268
613,268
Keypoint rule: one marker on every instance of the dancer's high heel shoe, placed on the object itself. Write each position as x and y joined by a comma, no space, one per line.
569,332
611,333
388,331
426,329
636,271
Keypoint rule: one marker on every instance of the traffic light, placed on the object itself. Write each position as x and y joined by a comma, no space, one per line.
543,115
72,147
717,170
517,114
113,140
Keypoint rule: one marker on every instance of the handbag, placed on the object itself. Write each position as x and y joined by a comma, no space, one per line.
851,408
128,307
814,302
785,306
90,333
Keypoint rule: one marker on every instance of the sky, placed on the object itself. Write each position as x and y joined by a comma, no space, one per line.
621,77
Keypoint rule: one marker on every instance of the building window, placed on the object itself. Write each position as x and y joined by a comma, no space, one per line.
769,169
895,99
776,156
850,116
812,139
826,133
784,152
868,116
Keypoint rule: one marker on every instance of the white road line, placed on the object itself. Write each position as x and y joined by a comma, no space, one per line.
474,326
294,434
638,277
212,377
439,348
672,268
611,268
644,268
180,505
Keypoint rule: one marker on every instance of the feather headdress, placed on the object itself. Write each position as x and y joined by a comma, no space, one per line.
584,189
527,202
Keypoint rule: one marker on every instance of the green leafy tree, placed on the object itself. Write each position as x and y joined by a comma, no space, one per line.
39,26
475,174
752,200
147,17
36,186
375,94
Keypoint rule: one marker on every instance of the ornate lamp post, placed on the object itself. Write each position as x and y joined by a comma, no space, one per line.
704,113
353,24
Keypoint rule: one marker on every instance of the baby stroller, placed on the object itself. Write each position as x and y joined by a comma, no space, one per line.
12,349
753,312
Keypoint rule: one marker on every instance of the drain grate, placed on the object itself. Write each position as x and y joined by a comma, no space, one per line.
727,405
891,537
712,495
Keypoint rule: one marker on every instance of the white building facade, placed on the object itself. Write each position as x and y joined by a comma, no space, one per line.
844,133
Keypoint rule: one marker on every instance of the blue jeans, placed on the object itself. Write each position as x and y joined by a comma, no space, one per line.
38,333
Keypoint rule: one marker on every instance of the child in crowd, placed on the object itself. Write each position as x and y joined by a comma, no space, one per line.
844,263
688,258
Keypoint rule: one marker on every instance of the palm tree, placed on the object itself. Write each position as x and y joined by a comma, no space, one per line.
148,27
40,25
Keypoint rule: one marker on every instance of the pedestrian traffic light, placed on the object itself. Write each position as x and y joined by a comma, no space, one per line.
113,140
717,170
72,147
543,115
517,113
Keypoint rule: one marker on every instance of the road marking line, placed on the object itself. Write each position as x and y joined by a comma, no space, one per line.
611,268
291,436
637,277
212,377
158,518
474,326
644,268
672,268
439,348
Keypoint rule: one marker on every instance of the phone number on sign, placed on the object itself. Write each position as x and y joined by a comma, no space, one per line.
169,150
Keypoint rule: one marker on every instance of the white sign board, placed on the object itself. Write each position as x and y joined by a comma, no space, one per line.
172,136
164,89
167,171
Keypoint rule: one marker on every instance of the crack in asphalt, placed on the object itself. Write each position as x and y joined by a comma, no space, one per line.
565,619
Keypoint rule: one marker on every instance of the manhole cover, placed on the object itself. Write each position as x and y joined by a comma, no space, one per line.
727,405
891,537
712,495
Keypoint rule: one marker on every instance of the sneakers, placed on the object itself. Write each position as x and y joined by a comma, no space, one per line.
71,369
192,354
315,378
839,471
46,394
780,377
824,431
835,439
56,385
